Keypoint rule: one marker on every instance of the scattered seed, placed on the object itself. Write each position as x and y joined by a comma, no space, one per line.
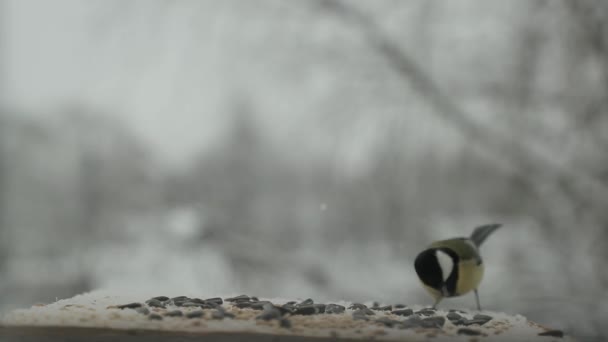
383,308
469,332
190,305
217,314
143,310
433,322
174,313
160,298
425,312
552,333
270,312
403,312
468,322
254,299
388,322
399,306
155,317
357,306
287,309
360,315
241,298
242,305
195,314
411,322
453,316
155,303
306,310
334,309
484,318
215,300
258,305
308,301
130,306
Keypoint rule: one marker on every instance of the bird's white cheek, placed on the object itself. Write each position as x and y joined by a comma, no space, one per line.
445,263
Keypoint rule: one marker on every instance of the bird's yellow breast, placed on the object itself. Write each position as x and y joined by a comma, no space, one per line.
469,276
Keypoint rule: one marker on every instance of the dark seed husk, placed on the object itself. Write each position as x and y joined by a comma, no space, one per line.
360,315
453,316
155,317
286,309
241,298
155,303
174,313
160,298
334,309
468,322
459,311
399,306
308,301
469,332
285,323
197,300
388,322
291,303
259,305
290,307
425,312
195,314
480,317
190,305
242,305
143,310
254,299
383,308
403,312
433,322
217,314
552,333
130,306
357,306
179,298
306,310
367,311
215,300
270,312
411,322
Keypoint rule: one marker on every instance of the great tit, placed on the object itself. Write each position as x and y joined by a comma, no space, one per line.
453,267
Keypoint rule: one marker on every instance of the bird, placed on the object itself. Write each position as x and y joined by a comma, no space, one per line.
453,267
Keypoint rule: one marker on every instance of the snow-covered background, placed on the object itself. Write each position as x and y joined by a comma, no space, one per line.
305,149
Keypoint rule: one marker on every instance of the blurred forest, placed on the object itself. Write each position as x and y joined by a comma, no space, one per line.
337,138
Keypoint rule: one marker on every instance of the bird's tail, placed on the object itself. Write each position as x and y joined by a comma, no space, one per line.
481,233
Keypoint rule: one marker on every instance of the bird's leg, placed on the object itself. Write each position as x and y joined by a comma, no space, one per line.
437,300
477,299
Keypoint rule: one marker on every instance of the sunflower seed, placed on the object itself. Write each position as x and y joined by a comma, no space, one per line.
469,332
174,313
130,306
195,314
403,312
334,309
552,333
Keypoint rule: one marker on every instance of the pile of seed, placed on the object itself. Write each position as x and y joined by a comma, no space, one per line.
287,315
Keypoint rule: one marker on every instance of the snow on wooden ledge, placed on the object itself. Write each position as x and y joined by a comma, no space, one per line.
103,316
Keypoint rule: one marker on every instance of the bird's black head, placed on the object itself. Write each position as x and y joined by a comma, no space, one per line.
431,270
